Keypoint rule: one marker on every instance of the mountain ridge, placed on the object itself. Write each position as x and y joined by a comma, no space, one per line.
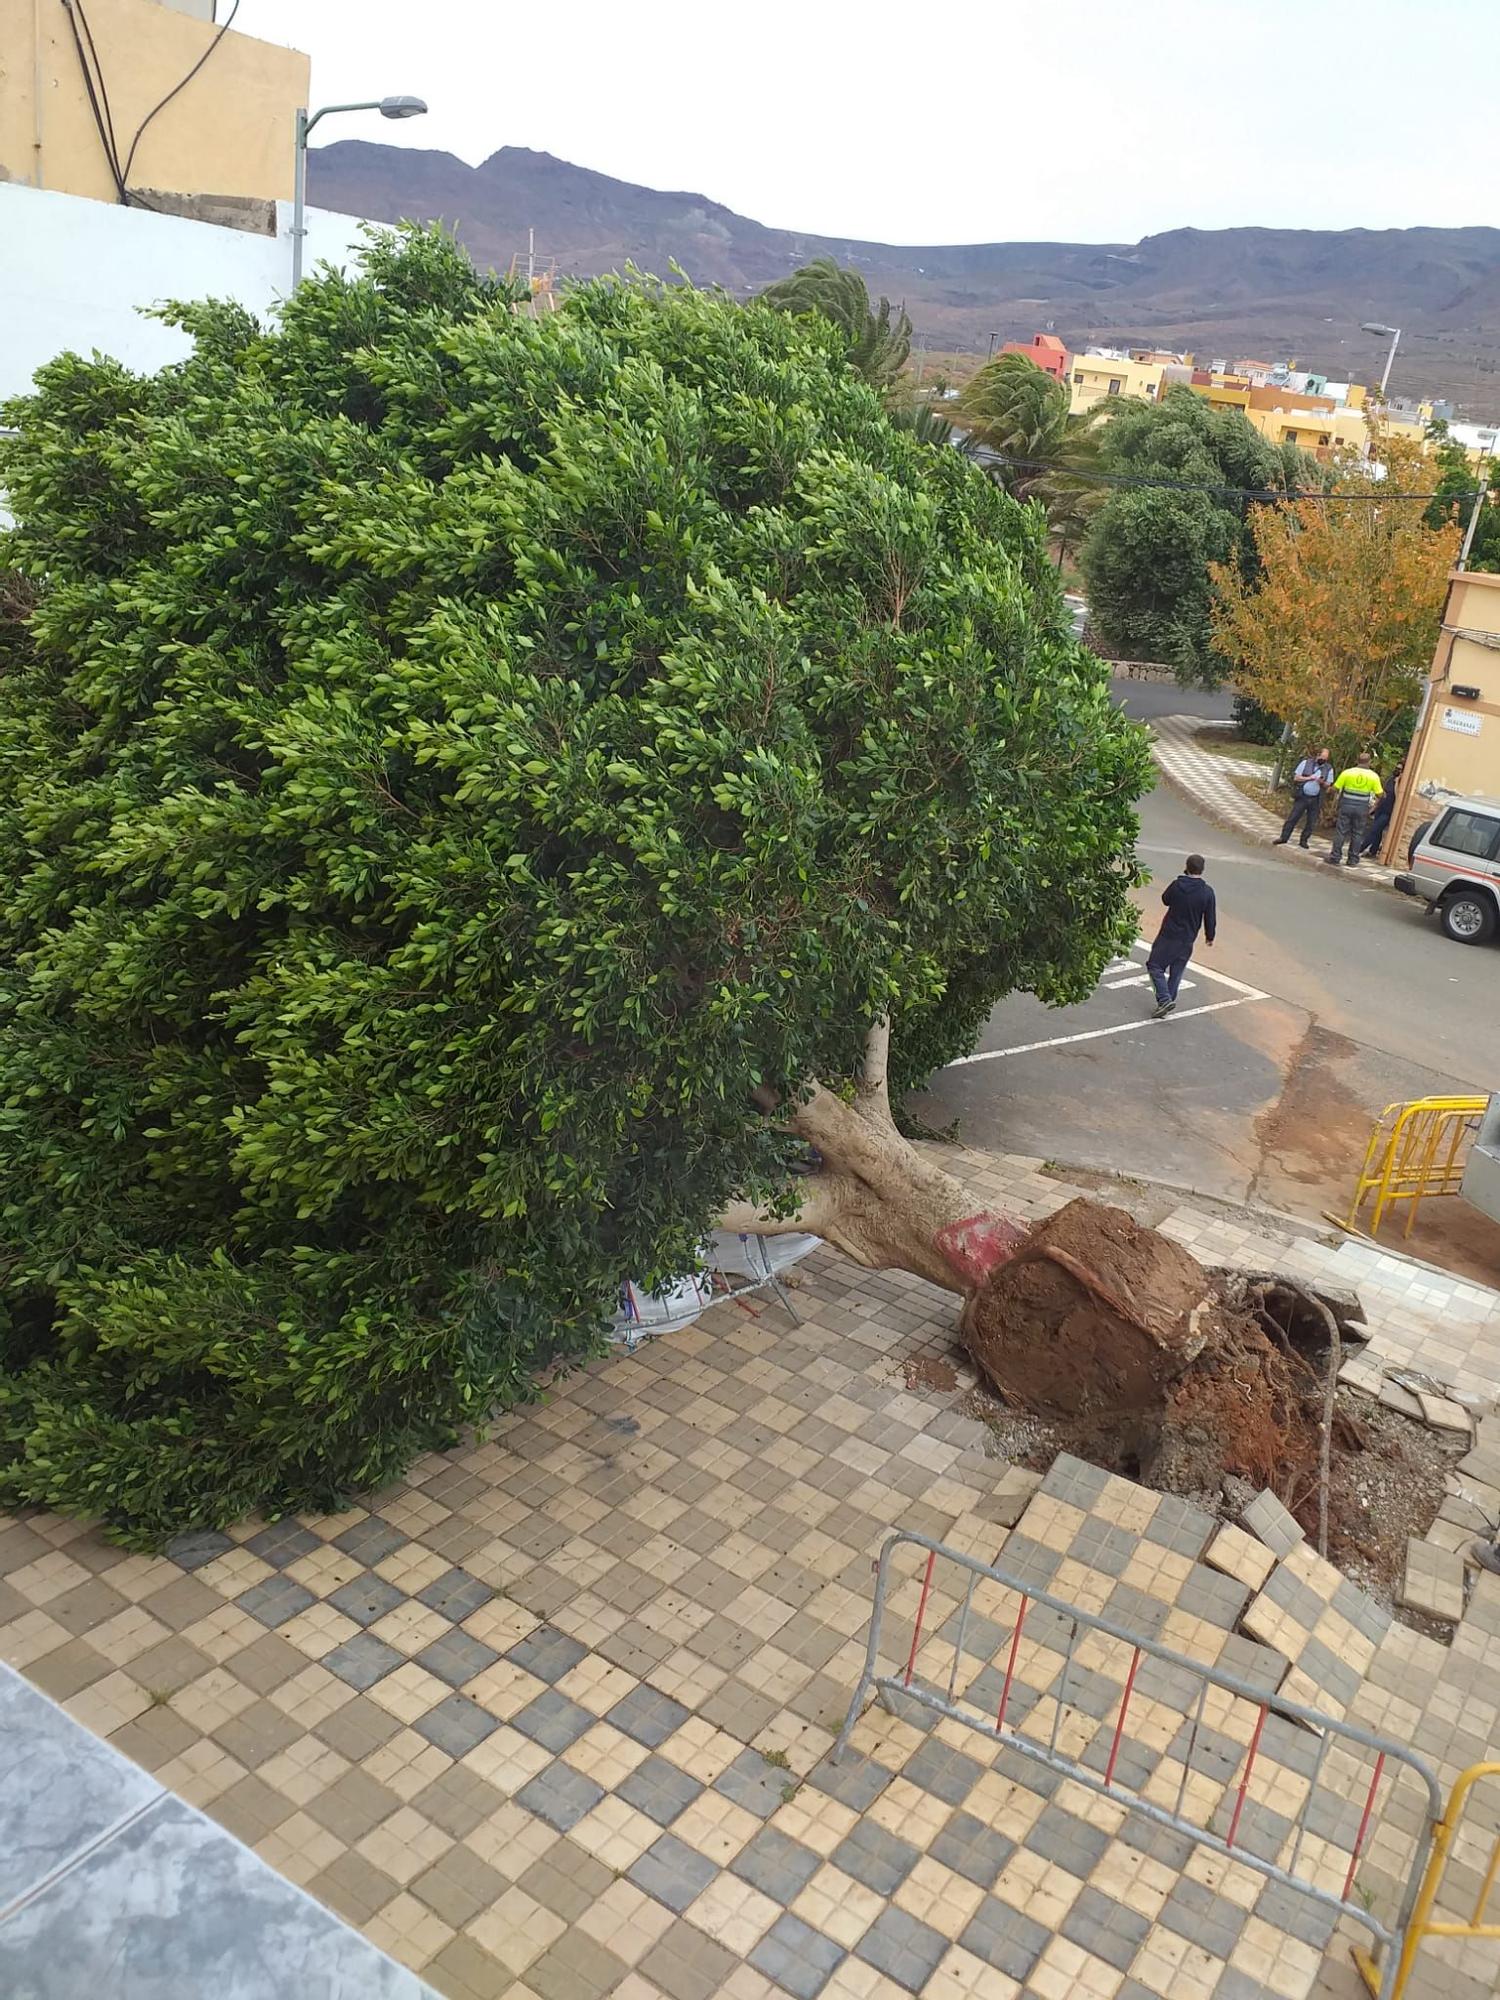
1254,289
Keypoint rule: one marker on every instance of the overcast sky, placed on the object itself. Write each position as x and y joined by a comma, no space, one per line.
972,121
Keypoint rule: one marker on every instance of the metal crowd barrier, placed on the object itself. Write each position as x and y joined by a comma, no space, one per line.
942,1697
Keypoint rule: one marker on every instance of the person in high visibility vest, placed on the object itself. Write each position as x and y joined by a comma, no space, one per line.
1357,789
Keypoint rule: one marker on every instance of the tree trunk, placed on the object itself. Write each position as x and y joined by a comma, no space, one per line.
875,1197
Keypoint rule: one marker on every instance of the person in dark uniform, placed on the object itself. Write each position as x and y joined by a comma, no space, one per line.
1190,908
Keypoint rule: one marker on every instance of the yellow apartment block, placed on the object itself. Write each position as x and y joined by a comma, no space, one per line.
1456,747
229,131
1094,377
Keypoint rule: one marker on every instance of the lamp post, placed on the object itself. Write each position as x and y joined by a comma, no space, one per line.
1394,332
388,107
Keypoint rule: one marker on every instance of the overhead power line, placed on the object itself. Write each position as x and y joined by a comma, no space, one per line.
1204,486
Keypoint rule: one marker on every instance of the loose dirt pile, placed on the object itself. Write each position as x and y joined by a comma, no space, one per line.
1126,1350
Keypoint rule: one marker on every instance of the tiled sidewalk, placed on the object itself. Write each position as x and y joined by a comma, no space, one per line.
550,1718
1204,779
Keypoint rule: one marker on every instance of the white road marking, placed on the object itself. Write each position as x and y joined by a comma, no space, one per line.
1245,994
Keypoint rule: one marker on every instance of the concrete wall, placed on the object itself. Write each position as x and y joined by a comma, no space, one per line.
1457,746
231,131
78,272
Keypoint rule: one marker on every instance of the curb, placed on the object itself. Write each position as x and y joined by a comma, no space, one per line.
1378,876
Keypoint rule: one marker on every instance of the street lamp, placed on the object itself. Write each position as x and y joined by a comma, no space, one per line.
1375,326
388,107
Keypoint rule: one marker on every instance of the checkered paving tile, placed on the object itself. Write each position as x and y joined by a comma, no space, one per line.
552,1716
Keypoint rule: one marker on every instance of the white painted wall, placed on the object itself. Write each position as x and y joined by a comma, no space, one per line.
74,273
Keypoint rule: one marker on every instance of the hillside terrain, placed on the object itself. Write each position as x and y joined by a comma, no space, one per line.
1226,292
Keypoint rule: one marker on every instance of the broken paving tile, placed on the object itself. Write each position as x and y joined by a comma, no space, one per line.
1441,1413
1434,1580
1360,1372
1404,1402
1270,1523
1240,1555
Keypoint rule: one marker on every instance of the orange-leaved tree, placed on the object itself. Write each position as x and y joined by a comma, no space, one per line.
1334,626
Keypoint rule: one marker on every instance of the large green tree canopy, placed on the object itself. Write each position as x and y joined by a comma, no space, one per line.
449,761
1184,471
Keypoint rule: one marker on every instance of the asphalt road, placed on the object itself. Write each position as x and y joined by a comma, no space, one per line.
1341,997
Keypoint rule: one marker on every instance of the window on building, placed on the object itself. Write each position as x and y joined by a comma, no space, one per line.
1469,833
1078,376
1115,385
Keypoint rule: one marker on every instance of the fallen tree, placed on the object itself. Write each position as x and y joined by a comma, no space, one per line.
480,798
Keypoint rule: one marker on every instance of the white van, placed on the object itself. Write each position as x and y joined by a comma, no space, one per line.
1454,864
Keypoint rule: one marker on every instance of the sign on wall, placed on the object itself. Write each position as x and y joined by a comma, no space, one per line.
1462,720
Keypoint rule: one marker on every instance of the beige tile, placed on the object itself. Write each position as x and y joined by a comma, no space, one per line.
733,1913
836,1904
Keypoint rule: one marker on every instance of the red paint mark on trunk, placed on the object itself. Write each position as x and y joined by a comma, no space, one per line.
977,1244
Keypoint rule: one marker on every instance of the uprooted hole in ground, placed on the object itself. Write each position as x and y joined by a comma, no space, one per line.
1109,1340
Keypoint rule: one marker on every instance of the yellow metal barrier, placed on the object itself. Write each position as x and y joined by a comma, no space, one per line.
1422,1925
1415,1150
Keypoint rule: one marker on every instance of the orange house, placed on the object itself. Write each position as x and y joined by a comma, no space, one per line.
1046,350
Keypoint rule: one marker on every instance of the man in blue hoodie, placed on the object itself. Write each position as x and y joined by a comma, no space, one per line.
1190,908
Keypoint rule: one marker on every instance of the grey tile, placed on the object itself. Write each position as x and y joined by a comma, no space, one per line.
1259,1667
369,1597
547,1653
903,1948
1290,1594
1270,1523
1363,1613
1099,1924
371,1541
274,1601
647,1716
457,1595
1195,1912
753,1783
1335,1676
1030,1563
1069,1841
362,1660
1103,1546
1236,1985
987,1690
1295,1914
777,1865
553,1721
659,1789
669,1870
576,1967
61,1789
171,1905
1136,1611
873,1855
1180,1526
456,1725
972,1849
1075,1480
1207,1750
561,1796
948,1774
1134,1761
457,1658
282,1543
797,1958
192,1551
1091,1693
1206,1593
1004,1938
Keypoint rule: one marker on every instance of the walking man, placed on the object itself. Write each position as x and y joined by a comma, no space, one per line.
1358,788
1310,781
1190,908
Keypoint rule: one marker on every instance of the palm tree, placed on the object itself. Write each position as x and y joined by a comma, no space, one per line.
878,342
1017,418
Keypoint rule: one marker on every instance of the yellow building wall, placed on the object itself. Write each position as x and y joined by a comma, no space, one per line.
1344,427
1466,758
1091,374
229,132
